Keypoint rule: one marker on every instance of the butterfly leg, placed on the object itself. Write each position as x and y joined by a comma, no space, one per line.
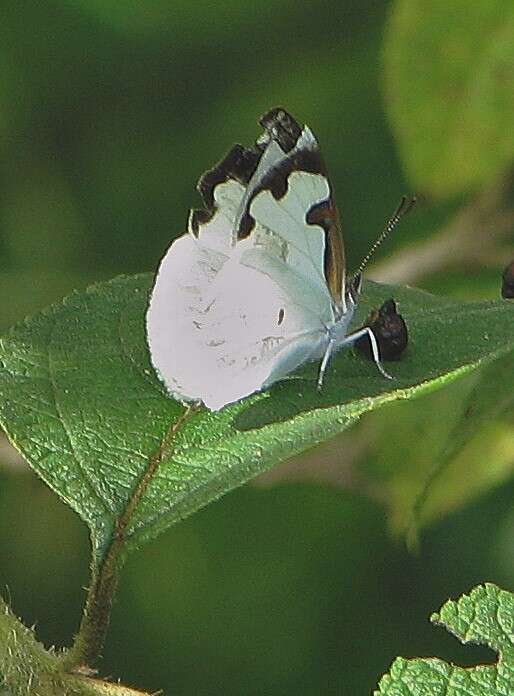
366,331
324,363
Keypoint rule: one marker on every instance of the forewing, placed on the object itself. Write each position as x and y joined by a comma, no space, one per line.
280,185
286,216
303,210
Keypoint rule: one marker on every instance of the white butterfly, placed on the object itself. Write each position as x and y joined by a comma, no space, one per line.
257,286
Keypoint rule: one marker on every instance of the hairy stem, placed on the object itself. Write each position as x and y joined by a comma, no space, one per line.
24,663
90,638
27,668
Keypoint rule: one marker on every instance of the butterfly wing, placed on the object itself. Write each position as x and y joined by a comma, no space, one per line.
298,180
240,326
242,300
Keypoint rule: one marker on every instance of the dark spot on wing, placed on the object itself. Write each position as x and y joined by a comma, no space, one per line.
281,314
245,226
326,215
277,179
239,164
198,217
322,214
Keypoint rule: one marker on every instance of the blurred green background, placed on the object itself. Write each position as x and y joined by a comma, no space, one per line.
109,112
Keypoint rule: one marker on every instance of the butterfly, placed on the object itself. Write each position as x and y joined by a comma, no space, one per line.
258,285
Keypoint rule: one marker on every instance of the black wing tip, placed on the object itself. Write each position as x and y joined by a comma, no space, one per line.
276,114
281,127
239,163
199,217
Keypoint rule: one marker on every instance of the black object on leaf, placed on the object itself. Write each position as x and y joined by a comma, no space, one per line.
508,281
390,330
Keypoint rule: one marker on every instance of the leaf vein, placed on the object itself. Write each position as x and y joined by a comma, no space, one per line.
67,432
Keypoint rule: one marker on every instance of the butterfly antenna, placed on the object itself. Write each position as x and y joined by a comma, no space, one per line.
405,206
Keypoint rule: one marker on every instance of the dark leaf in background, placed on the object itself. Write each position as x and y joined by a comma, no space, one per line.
508,281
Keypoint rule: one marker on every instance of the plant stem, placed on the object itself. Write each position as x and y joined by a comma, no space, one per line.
90,638
24,663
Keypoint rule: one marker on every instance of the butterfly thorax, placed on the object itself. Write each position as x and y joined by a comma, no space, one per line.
343,316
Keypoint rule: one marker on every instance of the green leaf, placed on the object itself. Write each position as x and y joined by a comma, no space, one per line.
484,616
27,668
449,91
468,447
79,399
478,452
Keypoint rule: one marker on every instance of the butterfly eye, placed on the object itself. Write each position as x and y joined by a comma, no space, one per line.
280,316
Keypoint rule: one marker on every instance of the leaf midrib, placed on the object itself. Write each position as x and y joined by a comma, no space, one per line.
351,411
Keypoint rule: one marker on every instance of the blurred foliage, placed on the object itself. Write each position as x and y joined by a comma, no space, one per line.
467,447
461,100
109,112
